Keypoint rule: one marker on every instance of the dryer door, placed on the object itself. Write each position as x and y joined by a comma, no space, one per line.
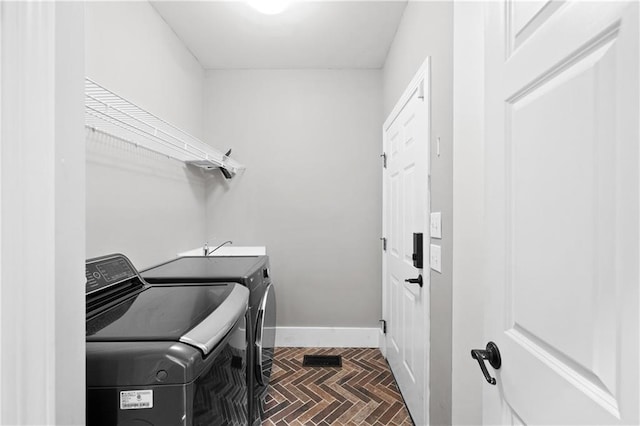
266,335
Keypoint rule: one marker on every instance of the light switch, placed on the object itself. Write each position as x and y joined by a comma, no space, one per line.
435,255
436,225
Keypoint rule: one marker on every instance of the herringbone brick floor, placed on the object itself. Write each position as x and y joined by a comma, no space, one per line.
361,392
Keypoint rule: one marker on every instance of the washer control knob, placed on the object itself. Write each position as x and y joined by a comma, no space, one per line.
161,375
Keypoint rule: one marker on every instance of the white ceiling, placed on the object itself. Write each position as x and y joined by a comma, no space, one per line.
309,34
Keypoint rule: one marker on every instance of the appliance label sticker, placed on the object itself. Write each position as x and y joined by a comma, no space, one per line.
134,400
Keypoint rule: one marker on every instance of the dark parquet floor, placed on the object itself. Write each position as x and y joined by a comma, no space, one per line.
361,392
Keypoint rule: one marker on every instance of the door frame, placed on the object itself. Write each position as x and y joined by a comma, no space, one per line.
422,75
42,215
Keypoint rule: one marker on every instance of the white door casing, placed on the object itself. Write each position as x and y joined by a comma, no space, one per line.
42,224
406,211
562,212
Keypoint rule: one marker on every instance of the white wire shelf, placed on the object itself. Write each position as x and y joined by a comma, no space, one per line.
109,113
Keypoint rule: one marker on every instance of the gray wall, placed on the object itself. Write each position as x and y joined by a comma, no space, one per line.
311,141
140,203
427,30
468,214
130,49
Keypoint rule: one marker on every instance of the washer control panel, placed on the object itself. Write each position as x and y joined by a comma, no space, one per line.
107,271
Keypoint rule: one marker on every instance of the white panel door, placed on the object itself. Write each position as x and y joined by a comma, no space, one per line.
562,212
406,204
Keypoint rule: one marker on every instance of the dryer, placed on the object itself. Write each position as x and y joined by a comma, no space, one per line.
164,355
254,273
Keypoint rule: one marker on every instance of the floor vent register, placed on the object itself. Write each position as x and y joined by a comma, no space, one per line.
322,361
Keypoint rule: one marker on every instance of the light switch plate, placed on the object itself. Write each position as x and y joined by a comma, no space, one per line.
436,225
435,256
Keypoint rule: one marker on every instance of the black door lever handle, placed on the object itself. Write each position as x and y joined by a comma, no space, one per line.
491,354
415,280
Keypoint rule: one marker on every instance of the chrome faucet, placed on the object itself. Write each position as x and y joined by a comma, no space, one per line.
226,242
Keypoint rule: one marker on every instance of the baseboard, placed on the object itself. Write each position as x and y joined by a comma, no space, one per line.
382,343
327,337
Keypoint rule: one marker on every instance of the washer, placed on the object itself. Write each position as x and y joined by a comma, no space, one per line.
164,355
250,271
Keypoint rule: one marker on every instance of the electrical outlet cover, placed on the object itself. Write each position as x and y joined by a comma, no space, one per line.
435,256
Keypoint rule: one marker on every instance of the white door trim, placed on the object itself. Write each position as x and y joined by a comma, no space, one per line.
416,83
421,74
42,223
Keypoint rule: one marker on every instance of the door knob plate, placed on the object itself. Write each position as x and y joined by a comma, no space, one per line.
494,355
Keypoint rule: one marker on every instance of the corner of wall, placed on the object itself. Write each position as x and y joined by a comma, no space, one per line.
426,29
167,81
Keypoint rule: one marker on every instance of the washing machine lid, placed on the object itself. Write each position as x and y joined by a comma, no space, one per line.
197,315
203,269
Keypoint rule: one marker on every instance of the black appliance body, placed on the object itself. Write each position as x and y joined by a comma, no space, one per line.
252,272
170,355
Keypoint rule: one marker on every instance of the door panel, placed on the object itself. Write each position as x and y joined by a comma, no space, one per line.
524,13
524,18
562,262
394,231
406,212
562,212
395,337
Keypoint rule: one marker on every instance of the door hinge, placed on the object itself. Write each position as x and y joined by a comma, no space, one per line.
384,243
383,326
384,159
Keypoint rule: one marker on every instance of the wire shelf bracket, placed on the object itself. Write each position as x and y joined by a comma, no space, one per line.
109,113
